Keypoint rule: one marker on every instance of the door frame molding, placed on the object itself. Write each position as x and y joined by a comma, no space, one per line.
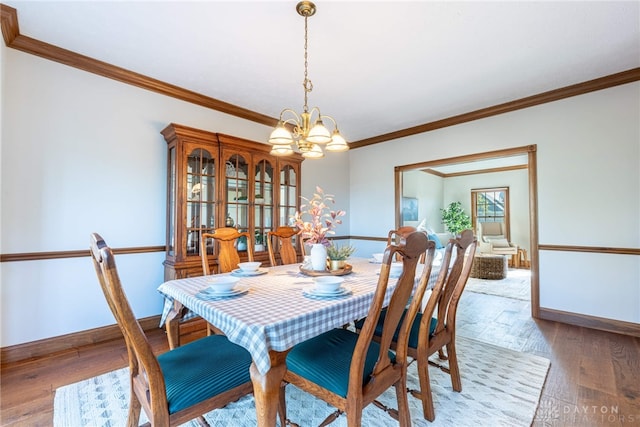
532,168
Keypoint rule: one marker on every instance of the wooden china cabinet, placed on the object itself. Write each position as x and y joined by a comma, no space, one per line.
216,180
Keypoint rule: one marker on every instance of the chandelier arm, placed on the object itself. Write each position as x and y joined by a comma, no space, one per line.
335,124
324,116
293,123
317,110
289,110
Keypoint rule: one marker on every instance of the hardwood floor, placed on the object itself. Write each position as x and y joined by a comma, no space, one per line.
594,378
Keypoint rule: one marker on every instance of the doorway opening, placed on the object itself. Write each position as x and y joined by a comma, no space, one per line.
436,183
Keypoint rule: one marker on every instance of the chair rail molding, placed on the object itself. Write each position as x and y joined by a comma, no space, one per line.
36,256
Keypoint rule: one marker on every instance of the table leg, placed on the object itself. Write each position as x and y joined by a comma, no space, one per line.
266,388
172,324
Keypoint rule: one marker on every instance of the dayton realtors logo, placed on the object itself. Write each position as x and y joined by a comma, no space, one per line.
550,412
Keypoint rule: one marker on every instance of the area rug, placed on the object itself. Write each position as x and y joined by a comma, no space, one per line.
516,285
500,387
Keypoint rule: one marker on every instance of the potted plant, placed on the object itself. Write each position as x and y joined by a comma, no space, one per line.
455,219
259,241
242,243
338,255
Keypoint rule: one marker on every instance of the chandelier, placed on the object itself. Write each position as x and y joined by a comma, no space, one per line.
309,131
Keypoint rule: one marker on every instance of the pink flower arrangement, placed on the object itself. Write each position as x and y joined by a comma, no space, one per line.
323,219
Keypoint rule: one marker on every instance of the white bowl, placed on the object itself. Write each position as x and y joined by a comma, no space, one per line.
249,266
377,257
328,283
222,283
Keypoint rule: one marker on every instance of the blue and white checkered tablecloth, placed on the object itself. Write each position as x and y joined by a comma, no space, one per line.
274,314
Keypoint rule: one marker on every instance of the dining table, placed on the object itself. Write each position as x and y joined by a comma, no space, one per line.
269,312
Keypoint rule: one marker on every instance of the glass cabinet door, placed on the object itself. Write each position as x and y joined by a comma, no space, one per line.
200,197
237,194
263,203
172,204
288,194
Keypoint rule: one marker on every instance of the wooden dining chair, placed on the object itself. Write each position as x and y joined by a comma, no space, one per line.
181,384
434,338
228,257
432,334
279,242
348,370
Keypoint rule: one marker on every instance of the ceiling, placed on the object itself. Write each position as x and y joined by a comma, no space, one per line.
376,66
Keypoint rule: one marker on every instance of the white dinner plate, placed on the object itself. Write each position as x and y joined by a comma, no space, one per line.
312,292
238,272
211,294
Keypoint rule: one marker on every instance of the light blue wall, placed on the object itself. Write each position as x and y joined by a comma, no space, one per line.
81,153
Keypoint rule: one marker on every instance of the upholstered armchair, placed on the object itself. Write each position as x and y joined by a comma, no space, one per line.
492,237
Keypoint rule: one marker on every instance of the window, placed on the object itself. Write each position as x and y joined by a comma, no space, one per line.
490,205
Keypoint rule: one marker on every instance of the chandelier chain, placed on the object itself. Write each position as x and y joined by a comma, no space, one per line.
308,86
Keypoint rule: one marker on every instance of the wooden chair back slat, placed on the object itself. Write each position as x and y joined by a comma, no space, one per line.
280,242
228,257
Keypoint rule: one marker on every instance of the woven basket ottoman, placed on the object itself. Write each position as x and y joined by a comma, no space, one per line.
492,267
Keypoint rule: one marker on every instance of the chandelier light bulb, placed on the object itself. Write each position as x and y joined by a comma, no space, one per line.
314,153
281,150
337,143
280,135
319,134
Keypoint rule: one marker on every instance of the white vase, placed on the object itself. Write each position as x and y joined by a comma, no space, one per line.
318,257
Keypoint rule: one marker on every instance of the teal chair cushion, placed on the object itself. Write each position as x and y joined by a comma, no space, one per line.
326,360
203,369
415,328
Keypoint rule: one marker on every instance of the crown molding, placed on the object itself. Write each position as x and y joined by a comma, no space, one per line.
605,82
14,40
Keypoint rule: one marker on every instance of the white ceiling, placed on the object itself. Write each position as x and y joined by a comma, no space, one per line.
376,66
